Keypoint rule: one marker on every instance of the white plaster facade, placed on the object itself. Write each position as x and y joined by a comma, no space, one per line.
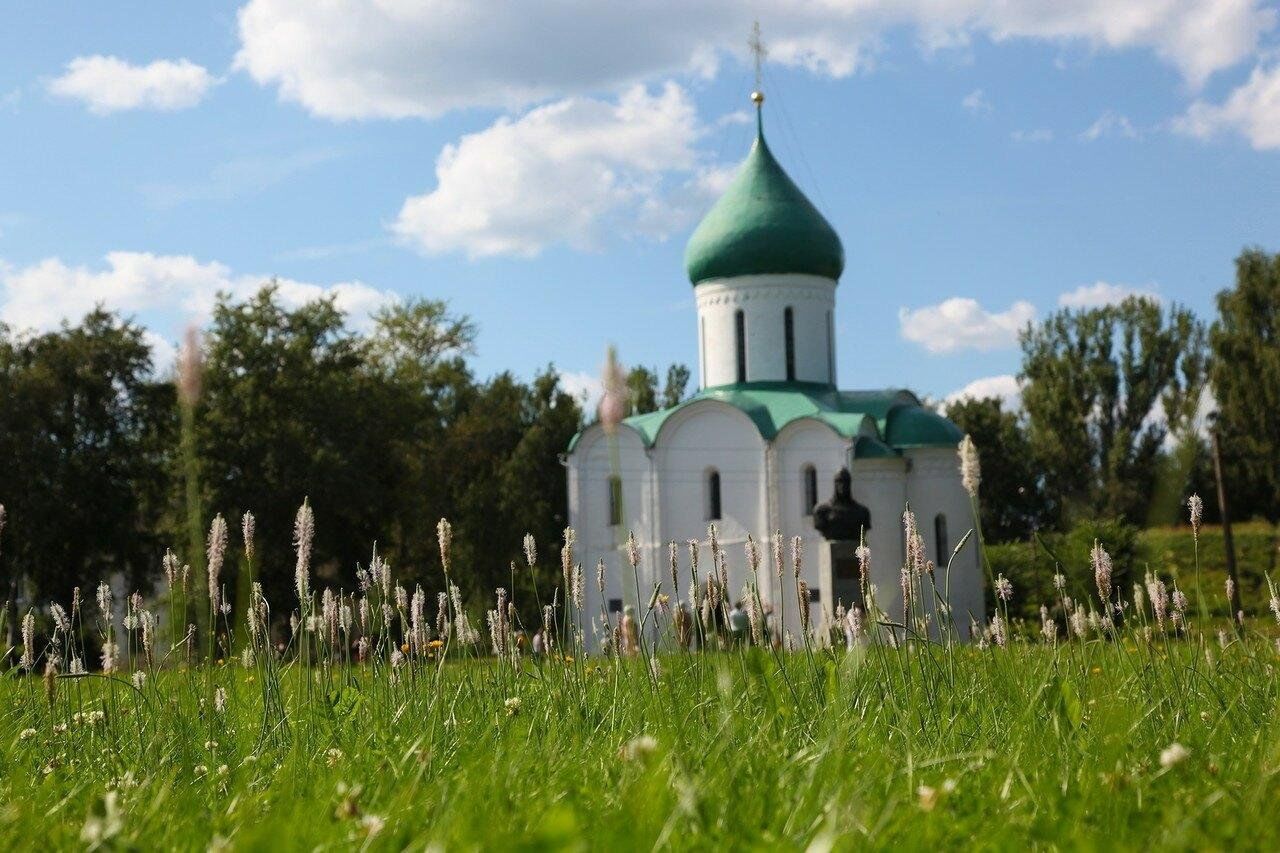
764,301
665,499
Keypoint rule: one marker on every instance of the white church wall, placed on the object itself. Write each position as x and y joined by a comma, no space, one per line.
763,300
935,491
881,486
595,459
800,444
704,437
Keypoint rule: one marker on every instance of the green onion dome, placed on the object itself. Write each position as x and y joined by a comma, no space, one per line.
763,224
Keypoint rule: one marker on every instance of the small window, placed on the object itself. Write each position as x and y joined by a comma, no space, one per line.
615,605
615,501
740,342
789,335
940,538
713,496
815,595
810,497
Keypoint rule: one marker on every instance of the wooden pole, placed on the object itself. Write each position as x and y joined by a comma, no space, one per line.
1227,540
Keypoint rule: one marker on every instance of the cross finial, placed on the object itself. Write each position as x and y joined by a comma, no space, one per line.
758,52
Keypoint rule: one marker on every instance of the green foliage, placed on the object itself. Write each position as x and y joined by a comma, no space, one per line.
289,410
1093,379
1246,383
1172,552
673,393
1031,564
642,389
84,435
1169,551
385,432
1012,503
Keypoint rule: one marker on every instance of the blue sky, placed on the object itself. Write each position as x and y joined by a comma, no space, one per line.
542,168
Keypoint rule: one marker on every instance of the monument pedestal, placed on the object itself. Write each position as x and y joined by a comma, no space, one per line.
838,574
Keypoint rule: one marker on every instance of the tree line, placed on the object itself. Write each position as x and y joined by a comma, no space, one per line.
385,431
1120,408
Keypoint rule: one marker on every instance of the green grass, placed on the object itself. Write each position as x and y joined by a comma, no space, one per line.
1162,736
1023,745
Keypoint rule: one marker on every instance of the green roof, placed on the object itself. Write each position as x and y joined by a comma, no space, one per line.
882,422
763,224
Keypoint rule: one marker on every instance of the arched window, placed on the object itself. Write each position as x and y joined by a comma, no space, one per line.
810,481
740,342
789,335
940,539
615,501
713,495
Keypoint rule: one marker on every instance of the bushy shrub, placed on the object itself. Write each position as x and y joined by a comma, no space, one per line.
1031,565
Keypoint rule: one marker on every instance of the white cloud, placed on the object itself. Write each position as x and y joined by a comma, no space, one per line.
976,102
164,352
1110,123
959,323
1004,387
107,84
1103,293
586,388
1040,134
179,287
374,58
563,172
1251,110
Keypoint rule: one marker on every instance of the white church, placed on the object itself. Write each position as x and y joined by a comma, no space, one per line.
759,444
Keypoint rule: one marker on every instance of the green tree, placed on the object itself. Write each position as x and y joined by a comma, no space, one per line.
289,411
642,388
1245,341
1011,500
677,383
1095,382
85,436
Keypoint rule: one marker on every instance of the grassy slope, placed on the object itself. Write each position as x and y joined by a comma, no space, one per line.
1169,551
1052,747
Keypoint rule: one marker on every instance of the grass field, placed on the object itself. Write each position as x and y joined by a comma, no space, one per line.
1161,733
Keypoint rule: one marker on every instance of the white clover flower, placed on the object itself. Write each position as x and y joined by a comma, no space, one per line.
1174,753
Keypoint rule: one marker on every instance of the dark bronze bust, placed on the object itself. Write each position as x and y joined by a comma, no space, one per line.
842,518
